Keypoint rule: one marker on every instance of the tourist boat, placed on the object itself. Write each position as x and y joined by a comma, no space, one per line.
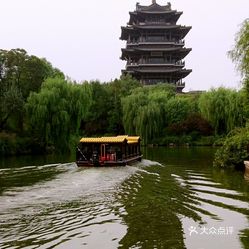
108,151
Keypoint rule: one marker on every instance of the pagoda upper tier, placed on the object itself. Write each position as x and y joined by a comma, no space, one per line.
155,45
148,12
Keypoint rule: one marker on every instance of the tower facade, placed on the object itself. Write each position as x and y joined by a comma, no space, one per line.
155,45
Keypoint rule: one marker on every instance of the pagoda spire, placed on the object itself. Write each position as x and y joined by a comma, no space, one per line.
153,1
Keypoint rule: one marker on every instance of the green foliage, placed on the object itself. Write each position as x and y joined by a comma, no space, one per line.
11,144
105,115
80,101
223,108
20,74
119,89
57,111
240,52
97,119
124,86
193,123
12,102
157,114
178,109
147,110
23,71
240,55
234,150
235,146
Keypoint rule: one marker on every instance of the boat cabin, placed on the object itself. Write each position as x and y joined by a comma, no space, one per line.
108,151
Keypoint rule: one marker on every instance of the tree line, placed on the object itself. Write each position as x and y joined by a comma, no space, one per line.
43,111
235,147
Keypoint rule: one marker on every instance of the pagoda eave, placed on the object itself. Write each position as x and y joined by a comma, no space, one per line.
174,76
167,49
138,15
180,53
136,29
181,72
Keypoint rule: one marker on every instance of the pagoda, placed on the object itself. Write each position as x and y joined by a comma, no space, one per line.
155,45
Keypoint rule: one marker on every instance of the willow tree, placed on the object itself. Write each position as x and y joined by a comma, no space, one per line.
240,52
56,111
143,111
117,89
131,106
11,103
223,108
240,56
177,109
235,148
80,101
148,123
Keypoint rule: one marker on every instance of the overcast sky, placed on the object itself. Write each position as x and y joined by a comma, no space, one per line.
81,37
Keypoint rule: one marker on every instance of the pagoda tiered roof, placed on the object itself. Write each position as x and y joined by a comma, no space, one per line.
137,29
171,72
155,45
180,53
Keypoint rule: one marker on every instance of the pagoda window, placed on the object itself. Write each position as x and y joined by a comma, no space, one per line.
156,54
155,38
142,38
155,60
133,40
168,58
155,20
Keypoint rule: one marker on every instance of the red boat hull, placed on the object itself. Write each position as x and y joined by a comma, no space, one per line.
109,163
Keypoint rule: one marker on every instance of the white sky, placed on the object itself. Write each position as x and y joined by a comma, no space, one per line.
81,37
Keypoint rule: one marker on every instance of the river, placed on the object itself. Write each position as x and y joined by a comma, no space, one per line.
173,199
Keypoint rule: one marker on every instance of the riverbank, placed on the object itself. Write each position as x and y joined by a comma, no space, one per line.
13,145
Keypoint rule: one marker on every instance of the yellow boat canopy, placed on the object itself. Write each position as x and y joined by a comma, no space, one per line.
117,139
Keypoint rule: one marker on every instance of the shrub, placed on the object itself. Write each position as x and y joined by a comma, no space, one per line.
234,150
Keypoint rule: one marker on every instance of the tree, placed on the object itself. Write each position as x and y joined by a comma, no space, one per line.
177,109
20,74
56,112
125,85
223,108
240,56
234,150
119,89
80,101
24,71
11,103
235,147
240,52
96,122
143,111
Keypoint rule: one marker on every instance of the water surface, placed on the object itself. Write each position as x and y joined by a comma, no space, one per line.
172,199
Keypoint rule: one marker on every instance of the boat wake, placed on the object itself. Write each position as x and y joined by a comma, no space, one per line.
62,183
51,204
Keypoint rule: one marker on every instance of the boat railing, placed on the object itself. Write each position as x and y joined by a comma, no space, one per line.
109,157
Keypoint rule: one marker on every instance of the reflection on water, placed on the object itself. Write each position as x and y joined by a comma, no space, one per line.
175,199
